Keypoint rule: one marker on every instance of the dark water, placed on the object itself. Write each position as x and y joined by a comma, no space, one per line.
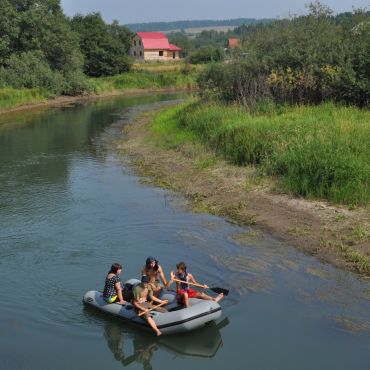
69,208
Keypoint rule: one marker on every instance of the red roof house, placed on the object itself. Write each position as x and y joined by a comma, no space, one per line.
153,46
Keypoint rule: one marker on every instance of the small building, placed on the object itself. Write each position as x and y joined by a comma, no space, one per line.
153,46
233,43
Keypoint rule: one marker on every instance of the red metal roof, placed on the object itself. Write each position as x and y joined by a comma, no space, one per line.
154,40
174,48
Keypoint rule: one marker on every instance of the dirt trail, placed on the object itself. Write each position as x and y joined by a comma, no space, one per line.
333,234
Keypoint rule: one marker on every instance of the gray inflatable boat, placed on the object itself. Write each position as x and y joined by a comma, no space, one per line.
177,320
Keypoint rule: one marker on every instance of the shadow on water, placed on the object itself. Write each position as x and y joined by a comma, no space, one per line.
202,343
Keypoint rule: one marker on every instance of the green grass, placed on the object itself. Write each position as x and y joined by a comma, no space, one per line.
144,80
166,131
316,152
150,80
10,97
167,134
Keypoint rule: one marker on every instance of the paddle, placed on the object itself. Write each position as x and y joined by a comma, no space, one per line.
214,289
153,308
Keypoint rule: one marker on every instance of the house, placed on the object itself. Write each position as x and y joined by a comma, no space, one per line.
153,46
233,43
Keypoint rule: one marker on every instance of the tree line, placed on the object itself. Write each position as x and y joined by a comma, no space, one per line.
183,25
310,59
40,47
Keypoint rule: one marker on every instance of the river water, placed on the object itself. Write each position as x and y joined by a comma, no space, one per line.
69,207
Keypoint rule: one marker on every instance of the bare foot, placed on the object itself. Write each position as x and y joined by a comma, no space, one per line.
159,333
219,297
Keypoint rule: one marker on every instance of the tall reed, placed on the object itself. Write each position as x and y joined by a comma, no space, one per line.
10,97
317,152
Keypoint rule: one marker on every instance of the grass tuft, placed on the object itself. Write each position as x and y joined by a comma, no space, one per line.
316,152
10,97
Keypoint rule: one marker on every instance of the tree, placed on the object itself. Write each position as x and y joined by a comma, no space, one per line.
38,30
207,54
104,46
9,29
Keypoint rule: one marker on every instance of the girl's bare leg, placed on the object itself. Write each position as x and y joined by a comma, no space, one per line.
219,297
185,298
209,298
153,325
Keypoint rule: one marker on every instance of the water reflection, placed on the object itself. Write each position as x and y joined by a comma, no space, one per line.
143,346
130,346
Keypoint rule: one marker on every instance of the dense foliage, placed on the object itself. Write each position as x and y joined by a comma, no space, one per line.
207,54
206,39
308,59
105,47
40,48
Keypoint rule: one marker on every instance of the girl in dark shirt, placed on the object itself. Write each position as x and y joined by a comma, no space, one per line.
112,289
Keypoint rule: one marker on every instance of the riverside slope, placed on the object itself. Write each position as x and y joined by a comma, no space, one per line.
314,227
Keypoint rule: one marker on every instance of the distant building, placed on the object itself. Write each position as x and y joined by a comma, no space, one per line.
233,43
153,46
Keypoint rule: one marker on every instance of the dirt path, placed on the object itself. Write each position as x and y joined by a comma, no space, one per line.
335,235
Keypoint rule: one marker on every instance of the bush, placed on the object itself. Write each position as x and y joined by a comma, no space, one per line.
207,54
30,70
309,59
76,83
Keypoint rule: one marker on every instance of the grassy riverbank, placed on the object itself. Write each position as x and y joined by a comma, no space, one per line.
148,77
166,148
10,97
317,152
144,80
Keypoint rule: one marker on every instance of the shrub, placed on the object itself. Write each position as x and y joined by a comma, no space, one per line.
30,70
207,54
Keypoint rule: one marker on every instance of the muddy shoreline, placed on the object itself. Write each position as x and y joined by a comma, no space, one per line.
334,235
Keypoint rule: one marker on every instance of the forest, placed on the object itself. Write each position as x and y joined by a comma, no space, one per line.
42,48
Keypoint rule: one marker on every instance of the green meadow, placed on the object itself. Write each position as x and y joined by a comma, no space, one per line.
320,152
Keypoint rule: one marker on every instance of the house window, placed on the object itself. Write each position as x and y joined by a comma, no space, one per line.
161,53
134,53
141,53
173,55
139,43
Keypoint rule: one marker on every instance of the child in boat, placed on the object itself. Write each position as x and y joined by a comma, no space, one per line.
183,290
143,296
112,289
154,271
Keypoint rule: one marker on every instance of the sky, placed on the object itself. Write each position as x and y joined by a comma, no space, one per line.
128,11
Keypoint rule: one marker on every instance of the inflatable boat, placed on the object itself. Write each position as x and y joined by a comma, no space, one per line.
178,319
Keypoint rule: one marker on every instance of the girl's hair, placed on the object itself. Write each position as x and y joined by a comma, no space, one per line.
148,261
114,268
181,265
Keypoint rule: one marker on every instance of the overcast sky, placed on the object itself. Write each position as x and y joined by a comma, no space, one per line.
128,11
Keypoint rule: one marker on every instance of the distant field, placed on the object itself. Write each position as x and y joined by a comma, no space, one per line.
196,30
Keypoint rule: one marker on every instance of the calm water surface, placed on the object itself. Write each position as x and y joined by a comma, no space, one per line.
69,207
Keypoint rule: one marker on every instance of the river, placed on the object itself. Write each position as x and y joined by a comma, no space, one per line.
70,206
